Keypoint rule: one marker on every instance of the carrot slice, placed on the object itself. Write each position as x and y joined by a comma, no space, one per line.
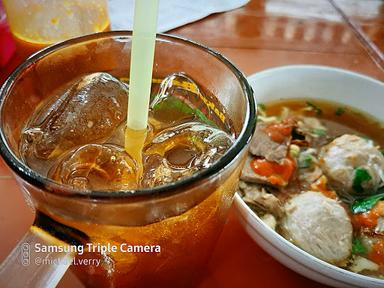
377,253
278,132
277,174
369,219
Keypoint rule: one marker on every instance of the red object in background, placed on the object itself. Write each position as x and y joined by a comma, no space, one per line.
7,46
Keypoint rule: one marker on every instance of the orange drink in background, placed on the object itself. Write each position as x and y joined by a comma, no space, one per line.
36,24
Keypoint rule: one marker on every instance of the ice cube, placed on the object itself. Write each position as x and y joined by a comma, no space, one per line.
178,100
96,167
88,112
182,150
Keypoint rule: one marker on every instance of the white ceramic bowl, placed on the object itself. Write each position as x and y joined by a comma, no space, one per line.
318,82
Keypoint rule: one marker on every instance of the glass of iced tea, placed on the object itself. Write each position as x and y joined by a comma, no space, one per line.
62,132
36,24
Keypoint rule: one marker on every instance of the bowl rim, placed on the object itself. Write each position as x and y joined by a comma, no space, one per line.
309,67
280,243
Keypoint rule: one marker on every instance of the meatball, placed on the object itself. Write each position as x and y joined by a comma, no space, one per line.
318,225
341,158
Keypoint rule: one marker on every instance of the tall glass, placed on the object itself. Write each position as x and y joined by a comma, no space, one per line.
36,24
183,218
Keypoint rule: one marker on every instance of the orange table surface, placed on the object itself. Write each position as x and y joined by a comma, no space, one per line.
265,33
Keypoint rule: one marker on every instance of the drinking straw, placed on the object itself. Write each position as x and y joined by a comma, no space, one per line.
142,54
140,80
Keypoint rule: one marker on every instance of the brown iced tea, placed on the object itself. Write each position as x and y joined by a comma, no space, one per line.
185,241
76,138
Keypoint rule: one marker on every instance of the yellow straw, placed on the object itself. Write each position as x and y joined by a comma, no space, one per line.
142,54
140,80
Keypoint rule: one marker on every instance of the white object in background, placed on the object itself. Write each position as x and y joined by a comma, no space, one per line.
172,13
318,82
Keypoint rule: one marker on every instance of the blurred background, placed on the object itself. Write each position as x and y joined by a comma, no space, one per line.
342,33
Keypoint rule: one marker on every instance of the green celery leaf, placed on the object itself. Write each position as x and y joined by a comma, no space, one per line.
261,106
365,204
304,160
317,110
340,111
358,247
361,175
319,132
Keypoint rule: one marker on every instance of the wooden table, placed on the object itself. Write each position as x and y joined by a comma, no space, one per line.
263,34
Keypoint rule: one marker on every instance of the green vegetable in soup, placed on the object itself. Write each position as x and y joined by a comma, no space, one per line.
317,110
319,131
358,247
361,176
305,160
365,204
340,111
261,106
366,138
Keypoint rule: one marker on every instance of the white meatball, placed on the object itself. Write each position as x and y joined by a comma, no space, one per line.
318,225
340,158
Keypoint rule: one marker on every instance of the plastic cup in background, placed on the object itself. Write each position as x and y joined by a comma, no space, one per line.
40,23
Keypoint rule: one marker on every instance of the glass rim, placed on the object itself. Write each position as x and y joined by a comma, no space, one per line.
42,182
